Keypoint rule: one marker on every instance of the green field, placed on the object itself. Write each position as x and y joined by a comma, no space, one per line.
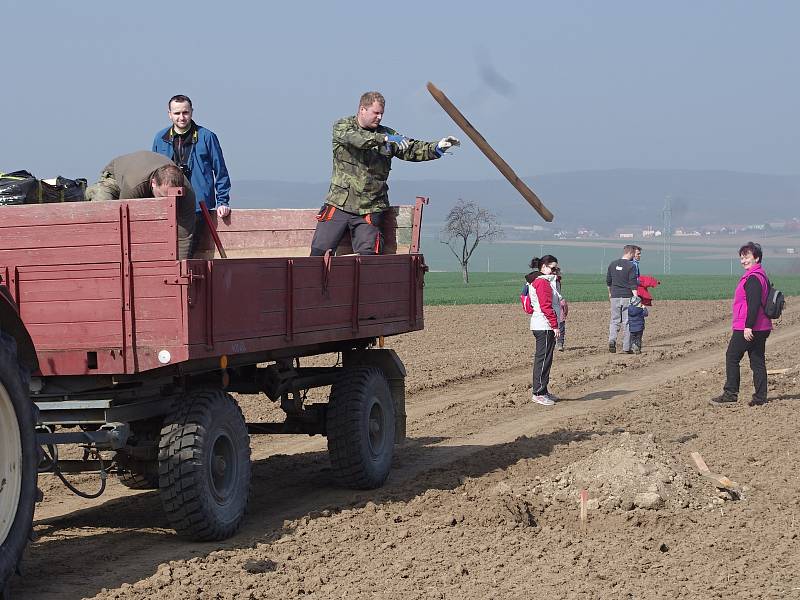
706,257
504,288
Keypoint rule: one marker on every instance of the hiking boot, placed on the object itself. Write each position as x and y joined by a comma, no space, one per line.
757,401
627,351
612,346
561,347
636,349
725,398
543,400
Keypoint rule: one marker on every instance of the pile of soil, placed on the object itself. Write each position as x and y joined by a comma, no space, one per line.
629,472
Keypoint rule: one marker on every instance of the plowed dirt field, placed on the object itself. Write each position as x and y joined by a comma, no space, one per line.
483,499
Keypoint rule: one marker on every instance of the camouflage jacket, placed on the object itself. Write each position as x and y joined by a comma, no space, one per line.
361,165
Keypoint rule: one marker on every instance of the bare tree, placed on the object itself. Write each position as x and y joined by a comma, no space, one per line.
467,226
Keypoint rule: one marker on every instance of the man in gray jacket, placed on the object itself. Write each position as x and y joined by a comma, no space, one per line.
622,282
148,175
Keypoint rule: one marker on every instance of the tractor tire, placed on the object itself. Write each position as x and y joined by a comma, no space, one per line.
204,466
361,428
18,460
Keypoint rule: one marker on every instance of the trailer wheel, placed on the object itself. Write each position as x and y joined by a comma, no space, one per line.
18,460
360,425
141,476
204,466
138,472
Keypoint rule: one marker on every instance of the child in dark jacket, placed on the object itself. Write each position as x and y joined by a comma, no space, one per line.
636,315
562,315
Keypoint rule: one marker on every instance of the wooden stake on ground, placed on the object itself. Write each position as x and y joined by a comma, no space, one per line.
720,481
584,501
698,460
777,371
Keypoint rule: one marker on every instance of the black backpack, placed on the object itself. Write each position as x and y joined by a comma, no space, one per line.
774,302
773,306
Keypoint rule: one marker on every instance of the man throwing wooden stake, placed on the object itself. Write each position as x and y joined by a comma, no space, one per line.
362,158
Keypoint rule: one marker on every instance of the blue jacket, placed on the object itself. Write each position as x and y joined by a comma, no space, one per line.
636,315
209,179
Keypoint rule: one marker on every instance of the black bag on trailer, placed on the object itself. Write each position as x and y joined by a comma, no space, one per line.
62,189
19,187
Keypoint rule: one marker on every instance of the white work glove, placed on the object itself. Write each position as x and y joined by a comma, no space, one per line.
446,143
223,210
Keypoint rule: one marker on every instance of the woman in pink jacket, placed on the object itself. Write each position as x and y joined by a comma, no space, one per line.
751,328
544,323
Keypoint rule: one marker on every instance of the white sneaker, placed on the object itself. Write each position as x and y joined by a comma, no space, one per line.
543,400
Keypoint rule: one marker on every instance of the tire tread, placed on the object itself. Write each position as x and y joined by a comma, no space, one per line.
345,413
180,473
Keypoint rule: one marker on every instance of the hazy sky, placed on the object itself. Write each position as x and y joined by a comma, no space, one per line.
554,86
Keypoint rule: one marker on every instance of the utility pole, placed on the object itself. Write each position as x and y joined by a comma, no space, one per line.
603,262
667,234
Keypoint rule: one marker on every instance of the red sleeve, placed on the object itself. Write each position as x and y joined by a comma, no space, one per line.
544,293
648,281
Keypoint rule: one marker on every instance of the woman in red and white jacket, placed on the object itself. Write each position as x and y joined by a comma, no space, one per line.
544,323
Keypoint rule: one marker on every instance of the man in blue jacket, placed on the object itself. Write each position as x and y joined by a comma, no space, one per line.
197,152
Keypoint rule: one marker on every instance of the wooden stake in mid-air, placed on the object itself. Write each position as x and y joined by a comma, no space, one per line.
493,156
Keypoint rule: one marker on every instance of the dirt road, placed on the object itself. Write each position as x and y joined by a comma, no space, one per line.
483,498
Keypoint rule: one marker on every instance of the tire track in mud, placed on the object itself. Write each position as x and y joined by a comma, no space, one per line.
130,537
577,400
570,372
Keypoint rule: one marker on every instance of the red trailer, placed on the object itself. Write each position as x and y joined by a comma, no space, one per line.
137,353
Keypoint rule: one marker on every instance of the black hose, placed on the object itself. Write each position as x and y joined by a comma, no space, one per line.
72,488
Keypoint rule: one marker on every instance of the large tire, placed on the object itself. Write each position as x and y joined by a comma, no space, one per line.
361,427
18,460
204,466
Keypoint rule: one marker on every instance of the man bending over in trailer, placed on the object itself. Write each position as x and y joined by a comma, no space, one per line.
362,157
148,175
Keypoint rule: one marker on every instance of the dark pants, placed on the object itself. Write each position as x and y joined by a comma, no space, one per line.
543,360
755,350
365,231
562,328
636,338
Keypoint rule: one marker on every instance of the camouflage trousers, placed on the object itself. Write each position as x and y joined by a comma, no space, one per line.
105,189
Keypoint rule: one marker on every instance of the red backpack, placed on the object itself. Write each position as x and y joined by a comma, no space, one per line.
525,299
